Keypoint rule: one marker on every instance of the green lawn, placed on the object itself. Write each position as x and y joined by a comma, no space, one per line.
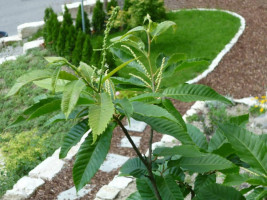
199,34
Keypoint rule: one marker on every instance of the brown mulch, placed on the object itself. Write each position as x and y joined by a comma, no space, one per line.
241,73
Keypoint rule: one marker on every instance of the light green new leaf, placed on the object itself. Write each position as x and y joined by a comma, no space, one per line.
203,180
73,137
248,146
205,163
168,188
71,95
219,192
136,29
90,157
183,150
162,27
117,69
54,78
86,71
145,189
55,59
67,76
27,78
197,136
47,84
100,114
147,97
191,92
133,167
134,196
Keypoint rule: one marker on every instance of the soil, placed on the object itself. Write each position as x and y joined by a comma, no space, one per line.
241,73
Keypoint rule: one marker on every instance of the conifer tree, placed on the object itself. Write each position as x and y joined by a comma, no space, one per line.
70,42
77,52
78,22
127,5
48,27
67,20
112,3
55,30
98,20
87,50
96,58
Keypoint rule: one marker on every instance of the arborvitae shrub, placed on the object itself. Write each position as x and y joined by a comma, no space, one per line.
70,42
55,30
127,5
96,59
67,20
112,3
48,27
140,8
98,20
87,50
77,52
78,22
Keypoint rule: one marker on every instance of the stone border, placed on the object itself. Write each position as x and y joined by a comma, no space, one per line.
27,185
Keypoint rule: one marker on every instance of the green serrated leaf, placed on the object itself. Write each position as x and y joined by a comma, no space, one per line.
133,167
55,59
134,196
126,107
249,147
217,141
239,120
27,78
183,150
162,27
73,137
168,188
86,71
54,78
90,157
147,97
100,114
67,76
47,84
71,95
197,136
205,163
161,121
219,192
191,92
203,180
145,189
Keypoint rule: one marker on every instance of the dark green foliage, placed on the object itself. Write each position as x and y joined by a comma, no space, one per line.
112,3
48,12
67,20
77,52
70,42
87,50
140,8
127,5
61,40
98,20
78,22
55,30
50,19
96,59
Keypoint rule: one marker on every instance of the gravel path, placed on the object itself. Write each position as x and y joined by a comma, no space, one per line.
243,71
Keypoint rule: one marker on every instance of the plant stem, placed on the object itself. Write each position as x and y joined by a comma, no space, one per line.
150,147
147,164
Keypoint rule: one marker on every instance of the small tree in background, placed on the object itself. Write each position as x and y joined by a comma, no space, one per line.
48,27
127,5
96,59
70,42
77,53
55,30
78,22
98,20
112,3
87,50
67,20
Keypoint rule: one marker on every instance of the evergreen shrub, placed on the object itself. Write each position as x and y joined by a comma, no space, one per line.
98,20
78,22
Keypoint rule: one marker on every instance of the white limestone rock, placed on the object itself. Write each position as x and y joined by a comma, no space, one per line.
10,39
107,193
113,161
23,189
47,169
71,193
136,126
28,29
2,60
120,182
125,142
31,45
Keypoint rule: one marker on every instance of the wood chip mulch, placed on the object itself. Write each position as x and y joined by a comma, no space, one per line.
241,73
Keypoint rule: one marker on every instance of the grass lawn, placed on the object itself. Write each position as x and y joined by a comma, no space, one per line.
199,34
